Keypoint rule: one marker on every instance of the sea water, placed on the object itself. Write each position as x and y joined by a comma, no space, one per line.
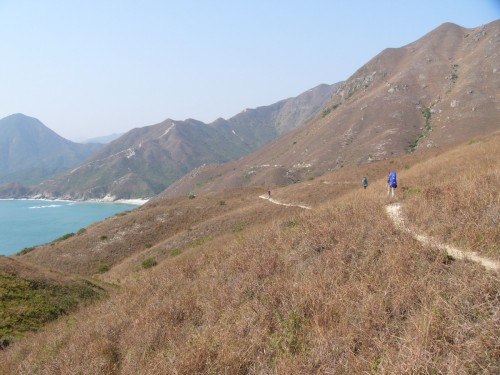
26,223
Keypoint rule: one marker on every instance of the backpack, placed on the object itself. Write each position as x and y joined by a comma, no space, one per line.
392,180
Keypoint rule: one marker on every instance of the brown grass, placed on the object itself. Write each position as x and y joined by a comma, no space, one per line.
334,290
454,197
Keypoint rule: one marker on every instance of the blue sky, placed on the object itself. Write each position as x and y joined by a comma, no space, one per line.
95,67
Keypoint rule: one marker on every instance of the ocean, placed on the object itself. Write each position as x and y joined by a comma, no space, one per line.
26,223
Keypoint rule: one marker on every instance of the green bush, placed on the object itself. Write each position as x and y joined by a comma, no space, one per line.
26,305
148,263
200,241
237,228
64,237
26,250
103,267
175,251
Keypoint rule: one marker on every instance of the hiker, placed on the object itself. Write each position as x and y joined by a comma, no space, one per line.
391,183
269,194
364,182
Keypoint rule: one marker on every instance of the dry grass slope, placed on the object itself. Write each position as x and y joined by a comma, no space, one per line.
336,289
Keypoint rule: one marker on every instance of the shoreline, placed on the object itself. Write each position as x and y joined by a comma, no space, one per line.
135,202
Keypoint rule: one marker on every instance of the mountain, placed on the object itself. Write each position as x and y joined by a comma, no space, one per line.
31,152
438,90
103,139
144,161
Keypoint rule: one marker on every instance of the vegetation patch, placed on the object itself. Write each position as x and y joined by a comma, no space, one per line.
327,111
288,338
200,241
148,263
103,267
410,190
26,305
426,112
237,228
26,250
175,251
64,237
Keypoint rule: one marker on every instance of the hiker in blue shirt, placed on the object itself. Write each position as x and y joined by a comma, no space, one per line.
391,183
364,182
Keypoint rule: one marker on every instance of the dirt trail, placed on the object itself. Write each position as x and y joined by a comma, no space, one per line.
284,204
394,212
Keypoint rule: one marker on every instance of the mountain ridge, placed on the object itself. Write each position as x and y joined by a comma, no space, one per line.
421,95
142,162
30,151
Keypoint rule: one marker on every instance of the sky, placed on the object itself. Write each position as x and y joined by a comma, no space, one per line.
89,68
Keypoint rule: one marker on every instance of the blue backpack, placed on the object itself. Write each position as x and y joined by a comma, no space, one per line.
392,180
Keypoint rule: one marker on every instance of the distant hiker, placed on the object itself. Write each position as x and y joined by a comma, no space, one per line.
364,182
269,194
392,183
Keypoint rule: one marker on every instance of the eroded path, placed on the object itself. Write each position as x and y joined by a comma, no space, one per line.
284,204
394,212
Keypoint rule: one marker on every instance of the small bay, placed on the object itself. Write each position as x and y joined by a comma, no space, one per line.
26,223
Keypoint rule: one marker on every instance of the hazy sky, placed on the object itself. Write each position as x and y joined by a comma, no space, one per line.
88,68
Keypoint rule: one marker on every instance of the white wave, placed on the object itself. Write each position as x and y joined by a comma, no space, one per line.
49,206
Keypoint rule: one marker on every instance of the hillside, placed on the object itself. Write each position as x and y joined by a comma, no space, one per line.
31,152
227,282
144,161
31,296
438,90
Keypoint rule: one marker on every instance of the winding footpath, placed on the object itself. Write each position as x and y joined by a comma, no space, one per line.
284,204
394,212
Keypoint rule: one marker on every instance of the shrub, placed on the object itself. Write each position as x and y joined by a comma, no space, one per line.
222,203
148,263
148,245
175,251
288,338
200,241
103,267
238,228
103,237
409,190
191,196
64,237
26,250
27,304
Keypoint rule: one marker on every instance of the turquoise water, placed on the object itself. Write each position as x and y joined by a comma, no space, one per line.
25,223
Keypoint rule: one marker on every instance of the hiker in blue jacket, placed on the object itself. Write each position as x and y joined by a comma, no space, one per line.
391,183
364,182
